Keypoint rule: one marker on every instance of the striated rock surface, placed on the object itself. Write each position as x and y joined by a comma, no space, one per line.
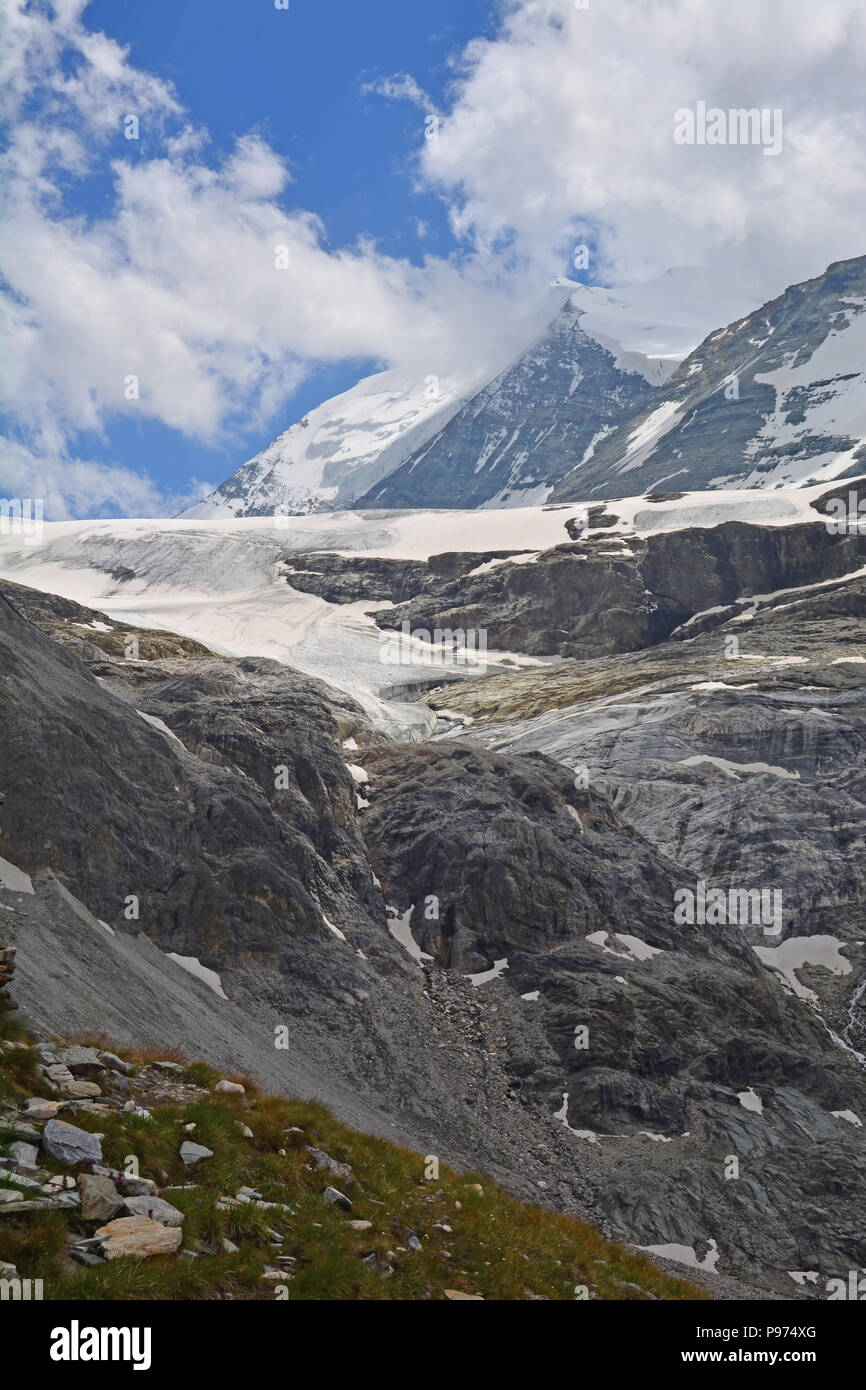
777,397
484,960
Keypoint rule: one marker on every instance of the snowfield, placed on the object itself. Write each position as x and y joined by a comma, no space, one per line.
224,582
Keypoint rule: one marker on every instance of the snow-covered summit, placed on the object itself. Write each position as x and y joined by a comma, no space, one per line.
775,399
339,450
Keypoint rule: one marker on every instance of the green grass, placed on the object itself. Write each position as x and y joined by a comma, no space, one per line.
498,1247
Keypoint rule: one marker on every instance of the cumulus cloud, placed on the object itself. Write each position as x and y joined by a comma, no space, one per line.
200,299
70,487
562,126
204,294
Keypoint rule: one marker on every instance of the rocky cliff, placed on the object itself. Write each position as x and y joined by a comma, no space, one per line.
472,943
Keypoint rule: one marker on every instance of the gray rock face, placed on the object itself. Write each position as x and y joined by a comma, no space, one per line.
640,1034
154,1207
608,1019
70,1144
523,432
740,769
72,624
724,420
367,577
507,851
599,597
191,1154
100,1200
263,863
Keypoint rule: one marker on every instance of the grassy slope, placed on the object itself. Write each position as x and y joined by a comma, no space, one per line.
497,1247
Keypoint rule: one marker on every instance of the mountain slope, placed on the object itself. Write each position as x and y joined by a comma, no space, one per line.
522,419
515,438
323,1249
774,399
354,921
338,450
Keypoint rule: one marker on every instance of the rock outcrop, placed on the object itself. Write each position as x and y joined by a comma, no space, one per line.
519,435
483,959
778,397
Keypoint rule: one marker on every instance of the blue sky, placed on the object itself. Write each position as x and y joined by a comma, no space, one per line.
153,260
298,78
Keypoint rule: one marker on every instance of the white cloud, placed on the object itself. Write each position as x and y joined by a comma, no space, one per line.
71,487
559,128
400,87
178,285
563,124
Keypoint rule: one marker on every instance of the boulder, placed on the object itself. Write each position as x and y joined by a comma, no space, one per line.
229,1088
39,1109
335,1198
137,1187
156,1208
81,1061
13,1128
326,1164
80,1090
111,1062
138,1238
194,1153
71,1145
26,1154
100,1200
58,1073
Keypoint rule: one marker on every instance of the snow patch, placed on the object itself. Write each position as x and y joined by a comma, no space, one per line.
485,975
750,1100
734,769
401,931
155,723
685,1255
518,559
562,1114
331,927
635,949
201,972
14,879
797,951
